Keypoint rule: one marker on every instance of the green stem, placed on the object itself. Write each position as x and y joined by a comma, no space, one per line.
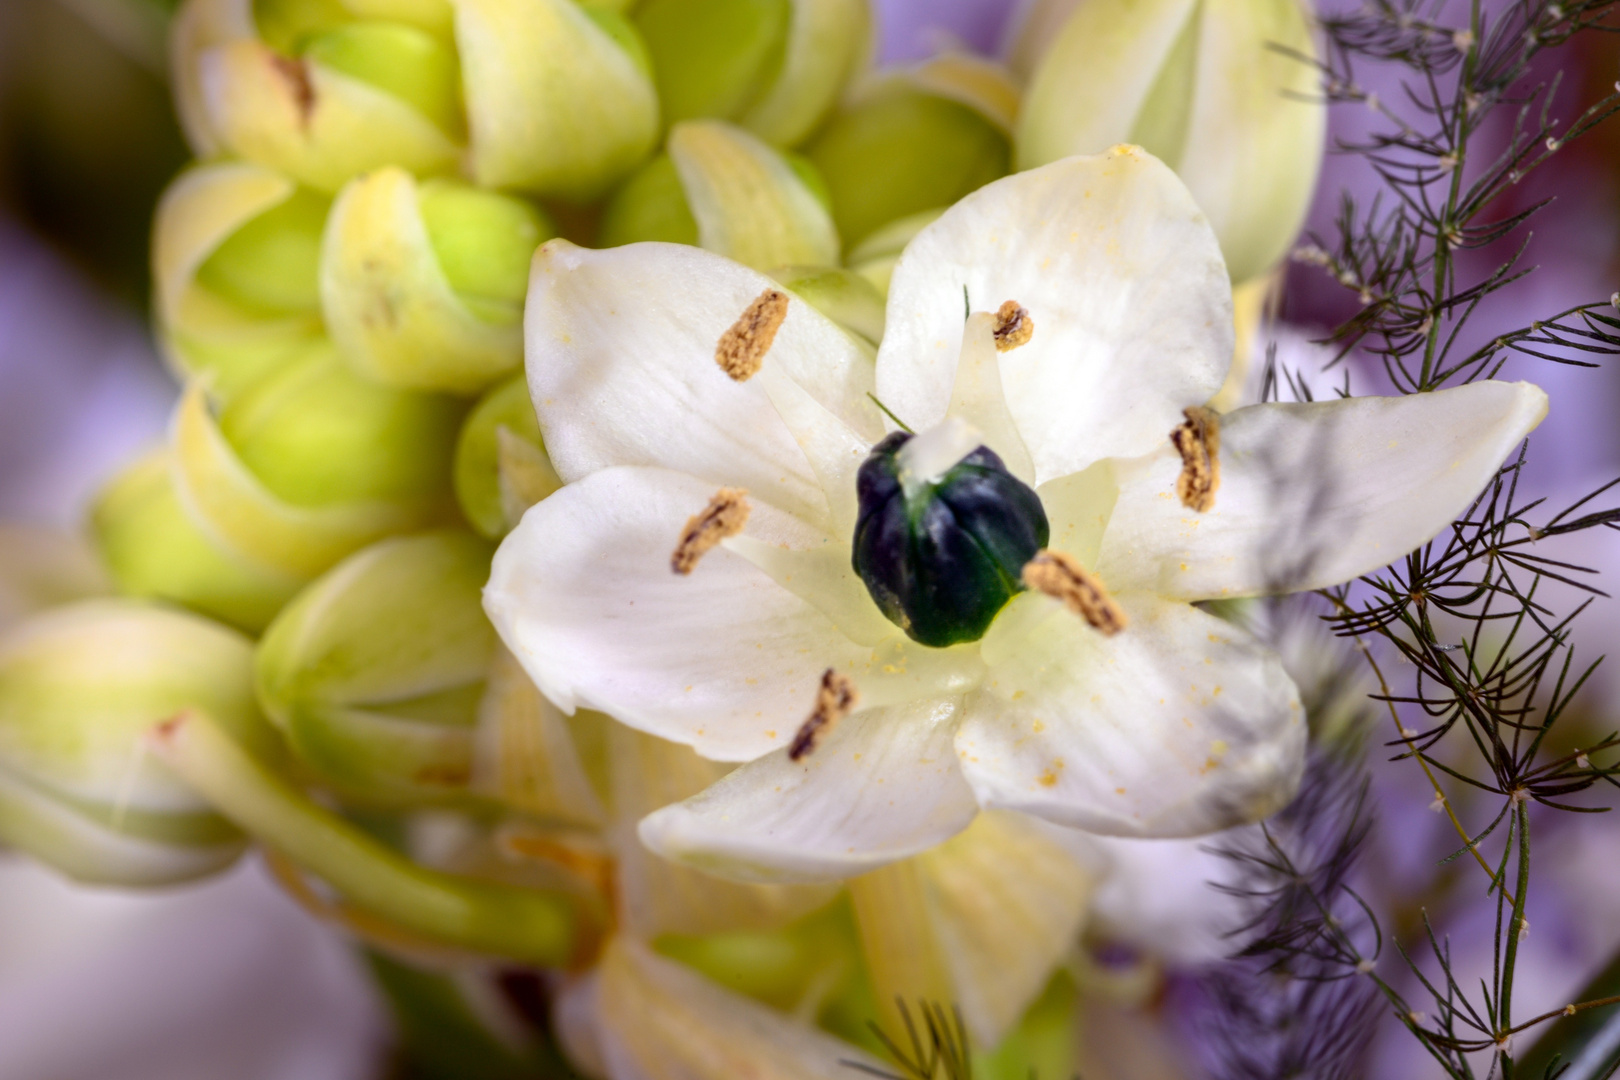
522,924
1504,1016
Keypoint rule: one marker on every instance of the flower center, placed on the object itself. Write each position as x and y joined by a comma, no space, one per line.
943,533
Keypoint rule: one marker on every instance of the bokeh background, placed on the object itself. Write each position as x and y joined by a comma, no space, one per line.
230,979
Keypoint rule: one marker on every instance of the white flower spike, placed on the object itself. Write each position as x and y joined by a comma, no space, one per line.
1072,450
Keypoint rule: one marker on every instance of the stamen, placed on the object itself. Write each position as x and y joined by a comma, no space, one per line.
1014,327
835,700
743,347
1199,443
725,516
1062,577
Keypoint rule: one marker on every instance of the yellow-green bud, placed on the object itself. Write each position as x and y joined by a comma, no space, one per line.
235,260
288,25
306,466
874,258
155,546
502,467
423,284
729,192
1220,90
80,687
913,140
559,97
774,66
844,296
375,672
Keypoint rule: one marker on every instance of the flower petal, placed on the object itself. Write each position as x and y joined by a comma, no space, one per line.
656,1019
883,785
620,356
1123,279
1314,494
723,660
1179,725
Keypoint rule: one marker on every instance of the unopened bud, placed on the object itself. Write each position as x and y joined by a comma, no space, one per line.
915,139
844,296
502,467
155,545
875,257
235,257
423,284
774,66
744,200
559,97
1221,93
374,673
43,567
80,686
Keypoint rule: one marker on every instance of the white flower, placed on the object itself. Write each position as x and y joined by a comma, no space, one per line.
1178,725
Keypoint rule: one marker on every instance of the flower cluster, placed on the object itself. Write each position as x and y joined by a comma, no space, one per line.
656,501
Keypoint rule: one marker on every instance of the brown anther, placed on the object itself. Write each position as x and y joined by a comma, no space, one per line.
743,347
1014,327
835,699
1199,443
296,74
1062,577
725,516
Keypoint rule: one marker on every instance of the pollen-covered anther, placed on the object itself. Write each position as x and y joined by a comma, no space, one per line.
1014,327
835,699
725,516
743,346
1198,441
1062,577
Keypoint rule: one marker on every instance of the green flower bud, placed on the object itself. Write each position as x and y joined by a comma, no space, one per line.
235,258
559,97
875,257
774,66
80,687
155,546
359,97
1220,90
941,555
423,285
375,672
502,467
844,296
307,465
916,139
288,25
722,188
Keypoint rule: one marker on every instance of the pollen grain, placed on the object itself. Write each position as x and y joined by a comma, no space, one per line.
725,516
743,346
1014,327
1198,441
835,699
1061,576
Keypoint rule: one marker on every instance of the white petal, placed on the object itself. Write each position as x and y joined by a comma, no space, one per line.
723,659
1314,494
1078,508
1160,896
656,896
1123,280
882,786
978,397
1179,725
656,1019
1007,904
620,357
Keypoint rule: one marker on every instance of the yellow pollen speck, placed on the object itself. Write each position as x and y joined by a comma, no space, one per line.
743,346
1119,791
1198,441
725,516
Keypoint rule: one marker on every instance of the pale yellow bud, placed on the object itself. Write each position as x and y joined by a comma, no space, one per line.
375,672
502,467
844,296
875,257
423,285
80,688
1220,90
